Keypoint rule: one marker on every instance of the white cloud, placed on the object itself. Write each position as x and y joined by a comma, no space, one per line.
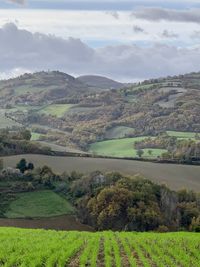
22,50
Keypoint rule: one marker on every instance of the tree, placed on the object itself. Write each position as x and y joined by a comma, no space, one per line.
140,152
22,165
150,152
1,164
26,135
30,166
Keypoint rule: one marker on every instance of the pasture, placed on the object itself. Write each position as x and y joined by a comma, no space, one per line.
43,203
182,135
123,148
57,110
50,248
173,175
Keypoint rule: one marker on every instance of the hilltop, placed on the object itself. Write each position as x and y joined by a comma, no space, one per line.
100,82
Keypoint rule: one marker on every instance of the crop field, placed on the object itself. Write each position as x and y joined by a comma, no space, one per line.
50,248
173,175
123,148
57,110
43,203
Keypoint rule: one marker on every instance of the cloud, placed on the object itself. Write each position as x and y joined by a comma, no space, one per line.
114,14
158,14
138,29
22,50
169,34
22,2
195,35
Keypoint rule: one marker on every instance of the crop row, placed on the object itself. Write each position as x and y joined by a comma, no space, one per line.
35,248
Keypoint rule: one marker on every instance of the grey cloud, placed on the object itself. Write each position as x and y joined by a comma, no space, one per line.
168,34
20,49
157,14
138,29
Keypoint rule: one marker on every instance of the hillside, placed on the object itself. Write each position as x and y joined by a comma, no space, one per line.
97,249
100,82
70,112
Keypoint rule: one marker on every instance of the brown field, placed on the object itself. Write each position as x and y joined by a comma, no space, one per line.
174,176
65,222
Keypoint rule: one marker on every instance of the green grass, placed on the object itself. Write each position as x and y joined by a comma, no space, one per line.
35,136
182,135
38,204
23,247
57,110
122,148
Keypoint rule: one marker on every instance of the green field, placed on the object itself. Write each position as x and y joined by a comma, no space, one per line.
182,135
122,148
35,136
57,110
38,204
50,248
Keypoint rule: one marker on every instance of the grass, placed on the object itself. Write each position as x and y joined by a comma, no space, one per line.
38,204
182,135
35,136
22,247
57,110
122,148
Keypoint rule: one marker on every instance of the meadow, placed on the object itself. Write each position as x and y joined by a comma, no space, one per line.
182,135
57,110
50,248
174,176
123,148
36,204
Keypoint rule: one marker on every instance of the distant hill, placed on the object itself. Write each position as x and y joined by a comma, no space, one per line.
100,82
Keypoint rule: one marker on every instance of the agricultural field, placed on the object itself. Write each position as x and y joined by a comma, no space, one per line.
57,110
175,176
6,122
182,135
123,148
43,203
50,248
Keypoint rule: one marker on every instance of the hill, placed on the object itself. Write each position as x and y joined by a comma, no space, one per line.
97,249
72,113
100,82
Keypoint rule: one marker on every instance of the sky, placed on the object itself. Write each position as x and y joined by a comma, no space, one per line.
121,39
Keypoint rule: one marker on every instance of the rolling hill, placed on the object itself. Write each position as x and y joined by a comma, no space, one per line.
76,112
100,82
